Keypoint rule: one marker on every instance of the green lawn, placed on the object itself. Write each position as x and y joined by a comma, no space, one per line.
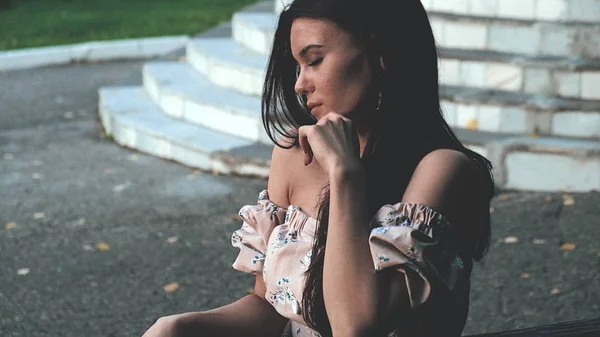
35,23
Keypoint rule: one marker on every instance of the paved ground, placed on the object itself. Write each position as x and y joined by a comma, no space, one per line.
87,227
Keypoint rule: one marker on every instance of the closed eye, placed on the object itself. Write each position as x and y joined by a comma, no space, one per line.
315,62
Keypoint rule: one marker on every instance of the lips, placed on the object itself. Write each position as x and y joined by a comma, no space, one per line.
313,105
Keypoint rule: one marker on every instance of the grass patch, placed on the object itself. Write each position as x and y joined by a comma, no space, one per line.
37,23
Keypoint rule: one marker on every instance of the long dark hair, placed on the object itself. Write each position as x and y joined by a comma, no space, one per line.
409,123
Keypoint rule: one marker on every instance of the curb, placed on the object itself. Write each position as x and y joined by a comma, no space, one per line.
90,51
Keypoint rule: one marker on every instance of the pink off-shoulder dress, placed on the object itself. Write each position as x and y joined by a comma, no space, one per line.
411,239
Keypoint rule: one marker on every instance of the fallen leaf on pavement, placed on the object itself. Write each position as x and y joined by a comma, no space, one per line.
81,221
504,197
539,241
39,215
11,225
511,239
250,291
103,247
172,239
69,115
555,291
472,124
525,275
548,198
23,271
87,247
568,246
568,200
120,188
171,287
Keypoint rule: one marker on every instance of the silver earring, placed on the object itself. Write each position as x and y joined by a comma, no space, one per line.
379,101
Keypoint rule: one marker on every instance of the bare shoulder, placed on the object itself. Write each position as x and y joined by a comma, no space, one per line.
447,180
282,164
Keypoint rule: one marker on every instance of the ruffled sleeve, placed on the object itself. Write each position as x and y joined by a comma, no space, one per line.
416,241
251,239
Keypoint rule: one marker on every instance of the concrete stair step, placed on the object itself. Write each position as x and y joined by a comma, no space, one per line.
563,76
227,64
539,163
205,115
183,93
518,113
541,10
527,37
134,120
567,77
516,31
230,65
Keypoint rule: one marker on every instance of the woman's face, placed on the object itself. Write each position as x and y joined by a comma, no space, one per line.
334,71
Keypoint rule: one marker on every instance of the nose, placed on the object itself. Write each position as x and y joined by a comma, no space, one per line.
303,84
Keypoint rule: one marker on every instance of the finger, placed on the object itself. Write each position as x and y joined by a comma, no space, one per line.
305,145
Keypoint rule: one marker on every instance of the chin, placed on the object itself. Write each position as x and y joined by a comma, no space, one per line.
316,112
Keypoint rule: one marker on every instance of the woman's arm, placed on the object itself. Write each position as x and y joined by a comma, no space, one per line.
250,316
348,267
444,180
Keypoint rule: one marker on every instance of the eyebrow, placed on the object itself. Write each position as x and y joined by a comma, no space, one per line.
309,47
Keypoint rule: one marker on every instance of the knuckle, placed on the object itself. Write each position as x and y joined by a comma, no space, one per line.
167,319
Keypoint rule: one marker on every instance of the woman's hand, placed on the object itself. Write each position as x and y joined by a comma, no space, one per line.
167,326
333,142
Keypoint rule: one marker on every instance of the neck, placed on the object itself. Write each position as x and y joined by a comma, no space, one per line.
364,127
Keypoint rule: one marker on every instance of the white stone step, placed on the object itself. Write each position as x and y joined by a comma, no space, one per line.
183,93
564,76
472,108
280,4
539,164
517,36
134,120
568,77
227,64
527,37
542,10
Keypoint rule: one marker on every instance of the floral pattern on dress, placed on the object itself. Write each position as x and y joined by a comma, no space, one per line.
284,295
403,237
258,258
306,260
283,239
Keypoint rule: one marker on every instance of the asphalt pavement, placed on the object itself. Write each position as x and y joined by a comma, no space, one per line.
98,240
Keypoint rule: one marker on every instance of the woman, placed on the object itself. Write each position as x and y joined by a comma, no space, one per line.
374,211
